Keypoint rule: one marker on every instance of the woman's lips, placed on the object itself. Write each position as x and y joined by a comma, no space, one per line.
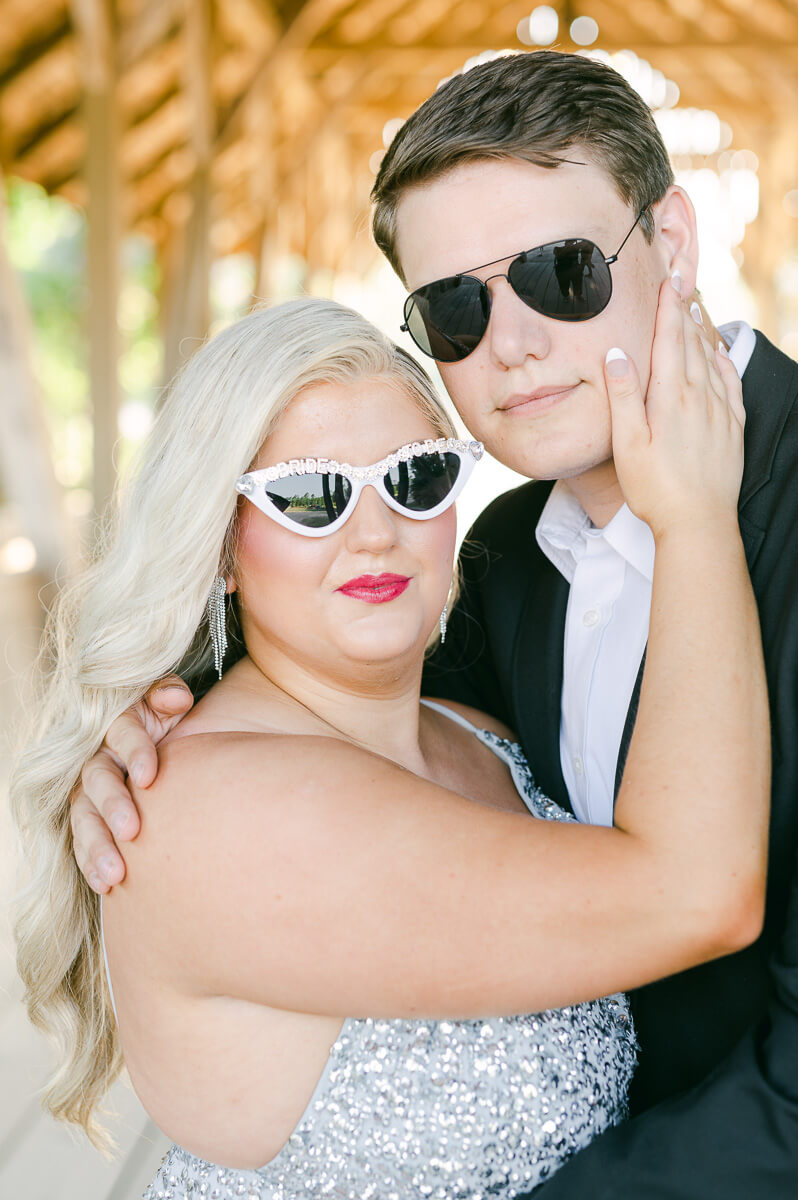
375,589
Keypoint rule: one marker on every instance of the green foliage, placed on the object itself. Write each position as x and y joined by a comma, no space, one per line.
46,241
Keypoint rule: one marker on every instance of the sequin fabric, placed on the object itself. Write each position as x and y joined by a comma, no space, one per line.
442,1110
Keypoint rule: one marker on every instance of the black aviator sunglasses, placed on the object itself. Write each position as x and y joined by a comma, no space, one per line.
568,280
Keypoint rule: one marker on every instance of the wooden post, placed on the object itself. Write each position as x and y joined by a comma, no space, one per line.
95,22
186,296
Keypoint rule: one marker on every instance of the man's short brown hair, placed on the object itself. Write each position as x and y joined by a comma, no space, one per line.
536,107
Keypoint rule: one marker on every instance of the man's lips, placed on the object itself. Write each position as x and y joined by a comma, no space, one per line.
538,400
375,589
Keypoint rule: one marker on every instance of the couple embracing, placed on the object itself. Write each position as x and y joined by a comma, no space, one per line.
367,945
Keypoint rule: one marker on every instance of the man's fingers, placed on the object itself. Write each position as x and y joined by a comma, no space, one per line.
104,785
169,697
627,406
95,852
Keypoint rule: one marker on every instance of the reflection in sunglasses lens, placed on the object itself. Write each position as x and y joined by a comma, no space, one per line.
312,500
455,314
421,483
566,280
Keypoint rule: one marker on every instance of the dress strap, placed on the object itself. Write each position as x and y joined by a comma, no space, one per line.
500,748
453,716
513,757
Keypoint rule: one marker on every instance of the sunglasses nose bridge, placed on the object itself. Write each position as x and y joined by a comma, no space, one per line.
365,513
495,275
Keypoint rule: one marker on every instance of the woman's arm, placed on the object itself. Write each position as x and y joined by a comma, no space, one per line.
320,878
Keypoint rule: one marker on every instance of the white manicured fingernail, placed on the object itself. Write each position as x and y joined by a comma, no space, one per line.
676,282
722,349
617,362
138,771
695,313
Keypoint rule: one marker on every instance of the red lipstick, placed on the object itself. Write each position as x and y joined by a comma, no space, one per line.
375,589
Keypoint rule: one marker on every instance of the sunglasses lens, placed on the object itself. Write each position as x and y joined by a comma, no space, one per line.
447,319
311,500
424,481
568,280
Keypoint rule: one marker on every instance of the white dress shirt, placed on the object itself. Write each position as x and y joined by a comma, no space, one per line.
610,571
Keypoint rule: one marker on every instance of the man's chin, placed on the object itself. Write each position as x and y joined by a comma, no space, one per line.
551,466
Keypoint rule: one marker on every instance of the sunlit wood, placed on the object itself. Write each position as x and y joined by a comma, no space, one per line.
187,278
250,124
94,19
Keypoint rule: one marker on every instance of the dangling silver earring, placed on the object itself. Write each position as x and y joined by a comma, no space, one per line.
444,616
217,622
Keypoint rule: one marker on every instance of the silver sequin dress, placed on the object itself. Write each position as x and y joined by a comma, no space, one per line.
442,1110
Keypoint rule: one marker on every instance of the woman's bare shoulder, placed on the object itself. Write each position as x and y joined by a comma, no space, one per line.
231,786
240,761
481,720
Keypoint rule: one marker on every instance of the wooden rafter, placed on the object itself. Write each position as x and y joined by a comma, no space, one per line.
289,79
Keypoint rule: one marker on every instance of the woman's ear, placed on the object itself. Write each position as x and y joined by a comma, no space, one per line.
676,236
230,585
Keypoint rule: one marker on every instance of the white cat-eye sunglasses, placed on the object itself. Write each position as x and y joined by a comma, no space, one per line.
315,496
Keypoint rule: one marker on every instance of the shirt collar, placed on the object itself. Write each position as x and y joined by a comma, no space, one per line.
560,529
632,539
564,528
741,340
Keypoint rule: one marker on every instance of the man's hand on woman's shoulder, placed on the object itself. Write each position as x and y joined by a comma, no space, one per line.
103,810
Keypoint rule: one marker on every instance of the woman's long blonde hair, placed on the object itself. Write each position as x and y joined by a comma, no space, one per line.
136,615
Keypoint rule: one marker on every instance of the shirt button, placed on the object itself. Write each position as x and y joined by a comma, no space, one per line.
590,618
579,766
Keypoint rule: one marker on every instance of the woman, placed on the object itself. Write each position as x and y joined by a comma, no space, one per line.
338,904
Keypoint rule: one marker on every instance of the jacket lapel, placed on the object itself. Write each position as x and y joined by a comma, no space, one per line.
537,678
629,726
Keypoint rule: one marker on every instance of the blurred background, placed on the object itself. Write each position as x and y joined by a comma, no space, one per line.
165,163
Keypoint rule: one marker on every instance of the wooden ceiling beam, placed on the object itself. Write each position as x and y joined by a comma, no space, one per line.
440,42
49,126
54,159
32,50
765,14
310,20
156,21
252,23
143,83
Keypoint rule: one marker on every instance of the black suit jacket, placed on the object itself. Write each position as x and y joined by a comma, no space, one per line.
722,1037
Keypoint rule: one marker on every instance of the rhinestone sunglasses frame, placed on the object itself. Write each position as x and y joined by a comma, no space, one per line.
252,485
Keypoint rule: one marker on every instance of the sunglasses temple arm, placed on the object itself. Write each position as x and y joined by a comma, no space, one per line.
614,257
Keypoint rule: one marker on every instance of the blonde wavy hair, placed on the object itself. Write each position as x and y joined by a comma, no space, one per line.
139,613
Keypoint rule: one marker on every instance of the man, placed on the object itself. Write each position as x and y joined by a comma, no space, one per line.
557,153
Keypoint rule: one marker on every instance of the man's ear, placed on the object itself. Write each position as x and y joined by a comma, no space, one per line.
676,236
